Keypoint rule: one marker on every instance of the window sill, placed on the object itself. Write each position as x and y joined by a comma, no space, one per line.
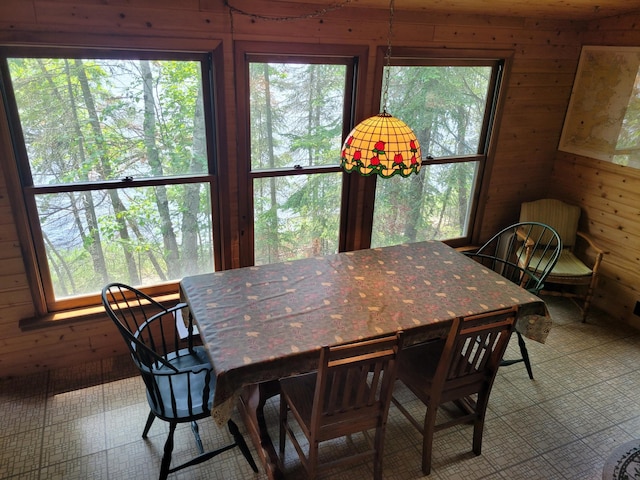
467,248
70,317
97,313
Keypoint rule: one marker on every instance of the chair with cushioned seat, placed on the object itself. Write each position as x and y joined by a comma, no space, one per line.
580,258
177,374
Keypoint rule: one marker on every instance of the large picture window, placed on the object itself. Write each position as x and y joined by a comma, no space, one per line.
299,107
449,104
116,167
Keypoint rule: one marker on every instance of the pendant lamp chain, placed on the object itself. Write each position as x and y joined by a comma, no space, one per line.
385,92
382,145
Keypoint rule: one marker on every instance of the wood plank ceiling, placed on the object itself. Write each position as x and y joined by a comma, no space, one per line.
583,10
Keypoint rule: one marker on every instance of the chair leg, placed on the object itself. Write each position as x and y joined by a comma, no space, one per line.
282,421
378,453
196,434
168,450
147,426
525,354
587,299
312,459
478,422
427,438
242,445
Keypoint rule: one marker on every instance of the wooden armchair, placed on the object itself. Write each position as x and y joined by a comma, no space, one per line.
580,257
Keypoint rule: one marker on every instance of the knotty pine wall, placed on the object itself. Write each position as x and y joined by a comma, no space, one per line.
545,56
609,196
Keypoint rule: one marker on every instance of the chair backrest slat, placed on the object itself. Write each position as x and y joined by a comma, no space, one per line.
473,350
524,253
354,379
153,339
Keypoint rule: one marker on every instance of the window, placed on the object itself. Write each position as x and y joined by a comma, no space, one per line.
450,105
116,167
299,110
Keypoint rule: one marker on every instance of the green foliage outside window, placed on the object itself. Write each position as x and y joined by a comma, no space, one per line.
89,122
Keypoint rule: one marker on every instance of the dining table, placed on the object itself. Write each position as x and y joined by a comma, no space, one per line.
266,322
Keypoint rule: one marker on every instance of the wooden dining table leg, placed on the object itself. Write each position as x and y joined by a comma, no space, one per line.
251,408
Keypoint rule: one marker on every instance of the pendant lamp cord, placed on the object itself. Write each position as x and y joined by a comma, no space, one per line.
385,92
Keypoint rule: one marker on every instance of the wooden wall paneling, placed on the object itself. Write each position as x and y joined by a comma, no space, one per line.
164,4
12,283
602,211
566,53
331,29
544,66
9,326
13,12
541,97
143,20
63,346
545,56
609,196
613,25
532,126
544,61
599,180
542,79
495,35
625,297
15,296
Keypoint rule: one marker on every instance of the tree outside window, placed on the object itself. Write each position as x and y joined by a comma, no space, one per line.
449,107
115,169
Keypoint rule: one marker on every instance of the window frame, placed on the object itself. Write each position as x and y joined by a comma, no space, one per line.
500,60
24,193
355,58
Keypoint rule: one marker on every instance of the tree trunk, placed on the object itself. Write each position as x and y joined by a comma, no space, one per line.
94,246
414,205
272,223
118,207
149,125
192,193
459,170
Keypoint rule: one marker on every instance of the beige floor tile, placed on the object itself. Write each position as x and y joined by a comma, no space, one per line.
20,453
87,421
73,439
531,469
74,404
576,461
92,466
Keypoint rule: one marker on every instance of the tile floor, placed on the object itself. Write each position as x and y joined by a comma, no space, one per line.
85,422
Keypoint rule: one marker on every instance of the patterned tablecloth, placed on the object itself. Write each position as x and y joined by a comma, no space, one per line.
267,322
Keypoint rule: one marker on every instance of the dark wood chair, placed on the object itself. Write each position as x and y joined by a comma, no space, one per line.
524,253
178,375
350,393
453,370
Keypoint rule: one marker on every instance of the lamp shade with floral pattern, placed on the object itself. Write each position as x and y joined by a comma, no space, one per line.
382,145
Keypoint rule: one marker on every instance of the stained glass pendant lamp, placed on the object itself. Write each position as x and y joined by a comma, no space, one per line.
382,145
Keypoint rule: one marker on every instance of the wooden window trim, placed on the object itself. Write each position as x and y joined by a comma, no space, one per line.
116,47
